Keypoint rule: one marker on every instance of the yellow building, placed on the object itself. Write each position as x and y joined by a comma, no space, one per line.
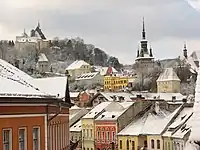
88,126
146,132
78,68
115,82
168,82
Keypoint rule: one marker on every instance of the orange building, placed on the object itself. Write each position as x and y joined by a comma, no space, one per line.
31,119
33,123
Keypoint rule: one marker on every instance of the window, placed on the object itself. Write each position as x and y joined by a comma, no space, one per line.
158,144
36,142
120,144
108,135
98,135
113,136
133,145
127,144
83,132
91,133
103,135
87,132
7,139
22,139
145,143
152,144
88,149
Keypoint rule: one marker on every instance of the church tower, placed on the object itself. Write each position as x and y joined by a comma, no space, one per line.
144,61
144,53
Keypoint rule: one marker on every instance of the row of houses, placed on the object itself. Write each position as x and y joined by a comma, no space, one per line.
31,116
133,124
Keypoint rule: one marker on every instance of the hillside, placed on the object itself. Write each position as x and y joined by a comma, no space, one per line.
60,54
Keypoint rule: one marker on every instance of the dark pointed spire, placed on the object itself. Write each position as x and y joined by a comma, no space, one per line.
185,50
38,24
150,52
143,30
67,95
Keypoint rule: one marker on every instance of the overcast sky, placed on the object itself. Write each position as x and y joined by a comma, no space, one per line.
112,25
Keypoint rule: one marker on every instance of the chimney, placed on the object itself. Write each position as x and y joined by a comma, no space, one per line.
173,98
184,100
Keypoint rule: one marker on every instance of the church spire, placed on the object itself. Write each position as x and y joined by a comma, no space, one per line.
143,30
38,24
185,50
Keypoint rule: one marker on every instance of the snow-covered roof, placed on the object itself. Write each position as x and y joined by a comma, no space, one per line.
74,94
195,136
149,124
96,110
103,70
168,75
114,110
52,85
76,127
42,58
87,76
164,96
115,96
15,82
77,64
179,121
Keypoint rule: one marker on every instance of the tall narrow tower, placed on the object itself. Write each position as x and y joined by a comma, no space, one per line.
185,51
144,42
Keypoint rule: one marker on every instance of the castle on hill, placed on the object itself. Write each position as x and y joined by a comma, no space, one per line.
36,39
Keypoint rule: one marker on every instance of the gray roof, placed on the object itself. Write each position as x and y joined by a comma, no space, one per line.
168,75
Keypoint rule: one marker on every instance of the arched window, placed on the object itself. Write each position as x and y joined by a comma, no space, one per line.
158,144
127,144
152,144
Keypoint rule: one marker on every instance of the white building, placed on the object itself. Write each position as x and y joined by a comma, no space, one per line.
168,82
90,78
43,63
77,68
36,39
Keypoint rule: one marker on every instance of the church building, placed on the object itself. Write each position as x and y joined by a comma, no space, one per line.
144,60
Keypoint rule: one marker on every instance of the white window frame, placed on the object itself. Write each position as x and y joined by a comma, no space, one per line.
37,127
25,137
10,137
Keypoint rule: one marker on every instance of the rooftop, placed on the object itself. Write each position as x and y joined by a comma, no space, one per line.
96,110
15,82
114,110
76,127
42,58
77,64
168,75
52,85
87,76
146,124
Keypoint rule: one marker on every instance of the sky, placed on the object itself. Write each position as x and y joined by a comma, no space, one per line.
113,25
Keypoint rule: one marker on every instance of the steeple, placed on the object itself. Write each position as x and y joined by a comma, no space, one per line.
38,24
143,30
185,50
